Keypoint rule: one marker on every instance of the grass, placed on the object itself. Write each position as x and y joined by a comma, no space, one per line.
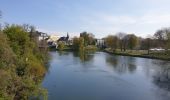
91,48
164,55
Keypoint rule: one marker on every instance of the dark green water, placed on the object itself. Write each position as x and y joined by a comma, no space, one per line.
101,76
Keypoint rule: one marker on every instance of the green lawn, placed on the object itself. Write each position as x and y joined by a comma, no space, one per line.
142,53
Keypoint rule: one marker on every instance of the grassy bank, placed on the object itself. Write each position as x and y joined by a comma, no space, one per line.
162,55
71,48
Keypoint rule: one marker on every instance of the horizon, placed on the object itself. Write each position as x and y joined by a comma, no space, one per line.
100,17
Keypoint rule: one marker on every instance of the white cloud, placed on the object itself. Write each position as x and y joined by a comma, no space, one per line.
140,25
59,33
103,24
156,19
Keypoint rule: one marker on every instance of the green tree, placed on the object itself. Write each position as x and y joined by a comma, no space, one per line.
22,67
112,42
81,44
61,46
0,20
88,38
76,43
7,57
19,40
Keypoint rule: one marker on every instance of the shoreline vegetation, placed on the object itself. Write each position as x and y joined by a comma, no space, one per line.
123,44
132,53
22,63
141,54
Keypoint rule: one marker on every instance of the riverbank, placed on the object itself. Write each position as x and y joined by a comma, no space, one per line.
22,64
71,48
142,54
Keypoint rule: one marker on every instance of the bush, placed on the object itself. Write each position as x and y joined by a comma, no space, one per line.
61,46
7,57
21,64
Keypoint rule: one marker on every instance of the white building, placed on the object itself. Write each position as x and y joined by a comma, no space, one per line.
53,38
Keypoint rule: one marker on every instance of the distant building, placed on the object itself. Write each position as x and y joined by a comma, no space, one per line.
53,38
52,41
100,43
64,39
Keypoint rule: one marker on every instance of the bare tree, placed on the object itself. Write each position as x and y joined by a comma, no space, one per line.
160,36
120,36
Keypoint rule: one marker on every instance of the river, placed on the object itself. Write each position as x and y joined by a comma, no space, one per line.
101,76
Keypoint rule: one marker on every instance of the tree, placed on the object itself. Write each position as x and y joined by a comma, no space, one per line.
85,36
91,40
21,69
146,43
7,56
112,42
78,44
0,21
132,41
19,40
160,36
61,46
88,38
120,36
81,44
168,41
125,42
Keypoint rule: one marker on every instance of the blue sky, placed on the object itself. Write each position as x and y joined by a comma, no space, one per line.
100,17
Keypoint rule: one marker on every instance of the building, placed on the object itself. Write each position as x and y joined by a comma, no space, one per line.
52,41
64,40
53,38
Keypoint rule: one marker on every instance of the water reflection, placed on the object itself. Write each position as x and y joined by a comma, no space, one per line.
121,64
61,53
161,77
84,56
101,76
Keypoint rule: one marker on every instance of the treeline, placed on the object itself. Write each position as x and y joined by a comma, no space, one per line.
123,41
84,41
21,63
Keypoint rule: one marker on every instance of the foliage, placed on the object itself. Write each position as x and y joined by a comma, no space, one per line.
7,57
21,64
132,41
88,38
81,42
61,46
78,44
91,48
121,36
112,42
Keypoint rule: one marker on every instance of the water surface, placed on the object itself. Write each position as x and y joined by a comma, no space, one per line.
101,76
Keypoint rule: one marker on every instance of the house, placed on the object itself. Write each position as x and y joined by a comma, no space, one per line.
53,38
65,40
